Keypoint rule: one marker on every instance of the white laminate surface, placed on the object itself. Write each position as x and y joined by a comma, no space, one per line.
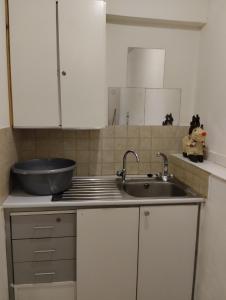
208,166
28,201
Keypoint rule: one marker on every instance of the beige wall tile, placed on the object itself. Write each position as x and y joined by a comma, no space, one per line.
145,131
83,156
69,143
117,167
83,134
108,169
164,131
95,169
69,134
96,157
145,156
133,131
8,156
156,167
120,131
82,169
82,144
133,143
145,144
108,132
120,144
95,144
118,156
95,134
108,156
108,144
194,177
144,168
132,168
70,154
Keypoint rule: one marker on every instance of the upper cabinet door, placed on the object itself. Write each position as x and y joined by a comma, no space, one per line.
167,252
82,57
33,39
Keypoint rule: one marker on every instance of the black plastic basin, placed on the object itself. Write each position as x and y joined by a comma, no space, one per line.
44,176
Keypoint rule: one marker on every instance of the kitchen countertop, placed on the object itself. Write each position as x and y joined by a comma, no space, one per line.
21,200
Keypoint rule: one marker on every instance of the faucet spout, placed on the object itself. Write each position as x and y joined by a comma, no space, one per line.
165,173
123,172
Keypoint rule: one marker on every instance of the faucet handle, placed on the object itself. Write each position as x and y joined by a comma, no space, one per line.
119,173
158,154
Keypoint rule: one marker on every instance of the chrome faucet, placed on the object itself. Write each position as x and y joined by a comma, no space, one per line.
165,174
123,172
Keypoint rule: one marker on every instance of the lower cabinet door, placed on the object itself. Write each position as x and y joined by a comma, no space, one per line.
167,252
107,247
50,291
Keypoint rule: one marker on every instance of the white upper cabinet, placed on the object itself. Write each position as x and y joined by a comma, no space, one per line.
58,63
33,42
82,57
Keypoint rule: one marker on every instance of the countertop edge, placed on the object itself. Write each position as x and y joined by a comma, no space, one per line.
108,203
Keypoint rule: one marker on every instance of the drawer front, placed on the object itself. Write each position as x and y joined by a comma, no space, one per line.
47,271
43,225
44,249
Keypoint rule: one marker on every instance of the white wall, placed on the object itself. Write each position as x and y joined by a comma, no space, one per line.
4,106
212,263
182,49
180,10
211,98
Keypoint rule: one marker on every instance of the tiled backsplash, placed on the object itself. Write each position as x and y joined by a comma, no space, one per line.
8,156
100,152
190,175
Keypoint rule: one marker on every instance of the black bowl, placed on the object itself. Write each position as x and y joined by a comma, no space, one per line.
44,176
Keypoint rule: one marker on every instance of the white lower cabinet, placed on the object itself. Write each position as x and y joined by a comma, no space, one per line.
48,291
131,253
107,247
166,252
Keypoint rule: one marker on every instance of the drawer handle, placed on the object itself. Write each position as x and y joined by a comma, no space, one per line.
43,227
45,274
44,251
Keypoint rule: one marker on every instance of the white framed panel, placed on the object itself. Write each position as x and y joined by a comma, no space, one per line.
145,67
159,103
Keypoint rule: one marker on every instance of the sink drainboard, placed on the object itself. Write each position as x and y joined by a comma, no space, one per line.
90,189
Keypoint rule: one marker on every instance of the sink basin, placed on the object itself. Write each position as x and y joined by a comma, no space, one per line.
107,189
154,189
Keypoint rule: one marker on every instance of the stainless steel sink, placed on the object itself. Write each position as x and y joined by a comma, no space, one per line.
156,189
108,189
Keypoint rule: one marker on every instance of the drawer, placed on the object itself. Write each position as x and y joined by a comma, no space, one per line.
44,249
45,271
43,225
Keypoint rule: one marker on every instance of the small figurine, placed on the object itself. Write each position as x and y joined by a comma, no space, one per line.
194,142
169,120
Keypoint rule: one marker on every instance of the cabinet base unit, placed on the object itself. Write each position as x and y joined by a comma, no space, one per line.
107,246
167,249
56,291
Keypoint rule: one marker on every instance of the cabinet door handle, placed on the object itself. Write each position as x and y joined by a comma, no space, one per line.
44,251
64,73
147,213
43,227
45,274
